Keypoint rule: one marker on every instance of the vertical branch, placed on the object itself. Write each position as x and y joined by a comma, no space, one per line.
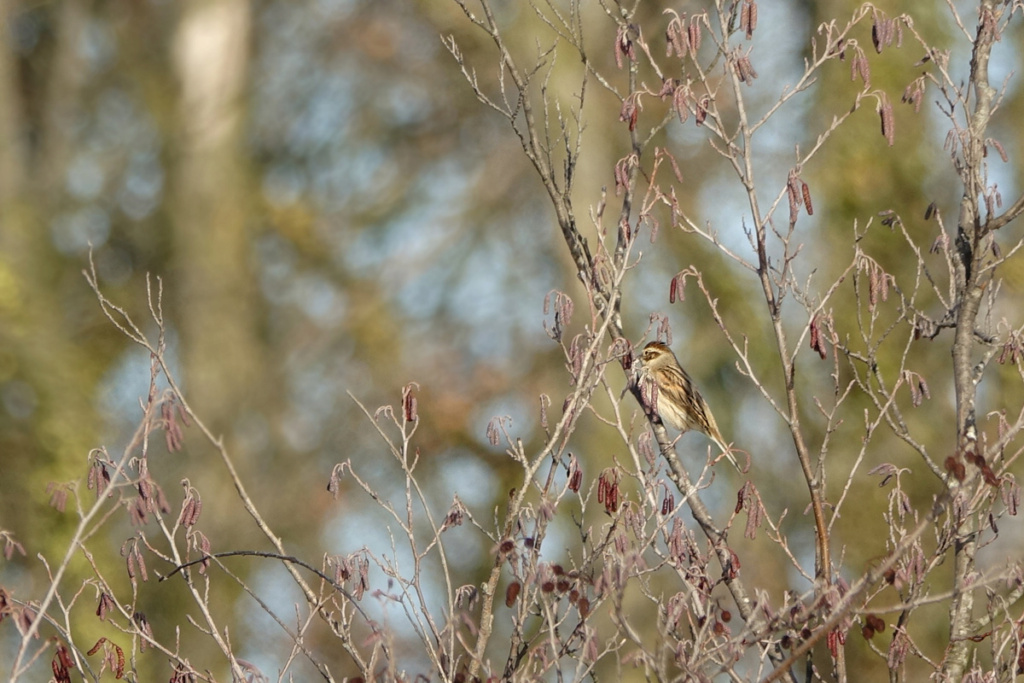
741,157
221,348
971,282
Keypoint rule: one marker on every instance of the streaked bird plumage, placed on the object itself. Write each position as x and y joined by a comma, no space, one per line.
680,404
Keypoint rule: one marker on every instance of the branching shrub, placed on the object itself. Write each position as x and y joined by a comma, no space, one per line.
653,565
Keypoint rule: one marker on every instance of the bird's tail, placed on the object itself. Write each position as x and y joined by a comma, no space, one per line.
727,452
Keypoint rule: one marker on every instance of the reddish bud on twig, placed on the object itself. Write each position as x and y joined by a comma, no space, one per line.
645,446
677,288
1010,493
680,101
630,110
608,490
816,339
334,483
622,168
492,431
835,639
956,468
144,627
409,402
190,511
732,568
661,153
99,477
145,487
106,603
884,31
668,504
10,545
986,470
140,560
173,434
887,472
886,115
702,109
999,148
96,648
114,657
119,667
137,512
806,193
58,495
744,69
694,36
794,201
749,498
511,593
62,664
913,94
455,515
918,387
898,650
748,18
859,67
575,475
563,309
623,46
677,36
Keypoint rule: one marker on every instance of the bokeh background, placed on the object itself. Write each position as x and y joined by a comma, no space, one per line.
330,210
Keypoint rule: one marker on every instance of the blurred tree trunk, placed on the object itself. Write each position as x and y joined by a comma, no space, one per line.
46,372
220,344
213,292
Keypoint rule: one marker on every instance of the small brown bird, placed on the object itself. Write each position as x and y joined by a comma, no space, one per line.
680,404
